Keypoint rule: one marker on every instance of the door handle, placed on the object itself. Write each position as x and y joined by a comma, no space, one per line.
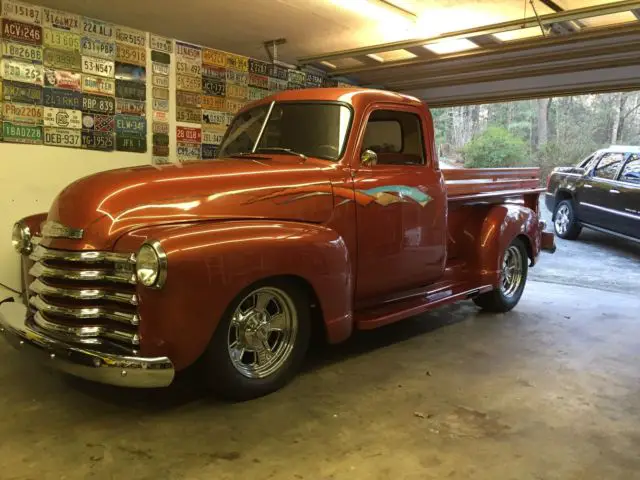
586,185
613,190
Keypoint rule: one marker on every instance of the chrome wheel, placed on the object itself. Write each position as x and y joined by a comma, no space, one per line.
563,219
262,332
512,271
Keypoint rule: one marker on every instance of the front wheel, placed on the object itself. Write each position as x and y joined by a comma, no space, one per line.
513,277
260,343
565,222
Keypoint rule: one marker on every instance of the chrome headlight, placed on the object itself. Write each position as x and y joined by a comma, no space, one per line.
21,238
151,265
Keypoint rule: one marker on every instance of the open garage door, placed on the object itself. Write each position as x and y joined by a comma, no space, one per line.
585,50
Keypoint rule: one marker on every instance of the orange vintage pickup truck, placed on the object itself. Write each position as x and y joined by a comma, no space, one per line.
327,212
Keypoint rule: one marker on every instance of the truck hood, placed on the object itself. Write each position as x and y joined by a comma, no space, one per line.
108,204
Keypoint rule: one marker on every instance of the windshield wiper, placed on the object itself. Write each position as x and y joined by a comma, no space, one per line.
280,150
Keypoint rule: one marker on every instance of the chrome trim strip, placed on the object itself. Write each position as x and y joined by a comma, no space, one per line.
54,229
84,312
609,210
40,270
42,288
85,331
610,232
120,370
42,253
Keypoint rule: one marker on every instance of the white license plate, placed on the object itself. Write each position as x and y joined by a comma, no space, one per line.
22,113
62,40
96,27
62,117
213,137
213,117
59,19
97,66
106,86
188,67
22,72
191,84
188,151
133,37
21,51
160,68
96,47
21,11
62,137
161,44
160,81
162,105
241,78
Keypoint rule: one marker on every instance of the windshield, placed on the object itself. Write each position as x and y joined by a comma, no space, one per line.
296,128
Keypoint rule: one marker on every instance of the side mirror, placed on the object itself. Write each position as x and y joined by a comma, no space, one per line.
369,158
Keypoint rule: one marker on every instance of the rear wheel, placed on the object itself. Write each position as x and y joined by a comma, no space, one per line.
513,277
260,343
565,222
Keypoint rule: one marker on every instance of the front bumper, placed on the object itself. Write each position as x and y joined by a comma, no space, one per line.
120,370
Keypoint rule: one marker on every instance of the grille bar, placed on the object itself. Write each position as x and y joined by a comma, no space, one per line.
41,253
42,288
86,332
84,312
39,270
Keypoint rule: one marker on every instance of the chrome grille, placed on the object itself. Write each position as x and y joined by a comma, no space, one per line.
85,297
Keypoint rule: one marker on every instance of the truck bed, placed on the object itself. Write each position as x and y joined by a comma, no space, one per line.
491,184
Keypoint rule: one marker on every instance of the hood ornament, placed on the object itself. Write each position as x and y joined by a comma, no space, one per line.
54,229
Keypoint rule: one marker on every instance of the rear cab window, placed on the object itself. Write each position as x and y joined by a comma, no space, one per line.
631,171
396,137
608,166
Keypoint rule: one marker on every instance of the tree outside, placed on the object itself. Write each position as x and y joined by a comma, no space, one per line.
545,132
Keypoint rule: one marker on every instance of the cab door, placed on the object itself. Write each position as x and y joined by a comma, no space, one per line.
595,196
400,204
627,200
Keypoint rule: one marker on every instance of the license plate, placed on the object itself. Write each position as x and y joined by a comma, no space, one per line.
131,90
209,151
185,82
160,139
21,92
188,67
22,71
129,54
160,127
159,116
188,151
96,27
65,59
158,160
256,93
213,103
21,11
276,71
241,78
188,51
214,57
126,71
130,107
237,62
96,47
63,20
62,137
100,85
21,133
62,40
97,141
160,81
188,99
160,68
160,150
62,117
160,93
313,80
237,91
258,67
161,105
23,52
212,137
129,143
59,98
98,104
62,79
260,81
188,115
296,76
276,84
212,86
219,73
97,66
22,113
160,57
131,124
137,38
98,123
212,117
188,134
233,106
156,42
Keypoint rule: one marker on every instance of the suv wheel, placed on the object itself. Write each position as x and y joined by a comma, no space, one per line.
565,222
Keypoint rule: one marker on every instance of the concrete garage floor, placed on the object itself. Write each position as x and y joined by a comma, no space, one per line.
548,391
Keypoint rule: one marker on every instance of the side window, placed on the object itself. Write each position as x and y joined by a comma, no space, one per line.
631,172
396,137
586,161
608,166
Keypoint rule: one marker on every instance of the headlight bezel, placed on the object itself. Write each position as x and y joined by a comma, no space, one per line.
161,262
21,244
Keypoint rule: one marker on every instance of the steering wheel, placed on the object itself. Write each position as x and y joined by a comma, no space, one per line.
332,150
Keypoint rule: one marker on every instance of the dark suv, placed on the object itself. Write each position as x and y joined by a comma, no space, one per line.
602,192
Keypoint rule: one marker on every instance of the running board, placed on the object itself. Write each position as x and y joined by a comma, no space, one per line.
390,313
610,232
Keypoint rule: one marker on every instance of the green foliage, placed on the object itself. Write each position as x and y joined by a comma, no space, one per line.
495,147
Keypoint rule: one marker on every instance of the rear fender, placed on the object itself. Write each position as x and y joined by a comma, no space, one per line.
210,263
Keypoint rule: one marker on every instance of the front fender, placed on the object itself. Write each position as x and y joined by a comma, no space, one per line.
210,263
502,224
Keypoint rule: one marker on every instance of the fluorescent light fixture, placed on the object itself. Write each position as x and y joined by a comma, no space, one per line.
451,46
328,64
375,57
